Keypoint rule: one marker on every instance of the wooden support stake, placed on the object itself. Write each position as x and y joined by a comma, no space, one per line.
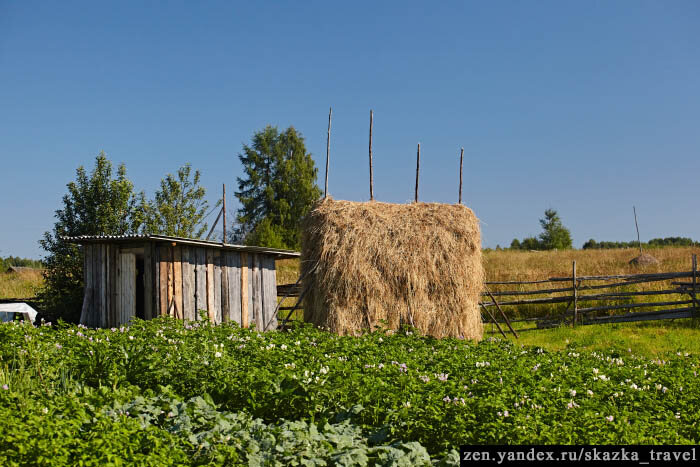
695,267
493,319
637,226
573,280
244,290
223,209
213,226
371,174
417,170
461,161
328,150
502,313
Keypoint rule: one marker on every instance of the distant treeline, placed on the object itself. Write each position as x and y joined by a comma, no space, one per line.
17,261
653,243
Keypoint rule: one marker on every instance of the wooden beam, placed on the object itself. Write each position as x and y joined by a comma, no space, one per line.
244,290
461,161
328,150
211,309
371,173
417,171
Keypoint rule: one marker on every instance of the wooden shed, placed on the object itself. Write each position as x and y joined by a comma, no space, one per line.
146,276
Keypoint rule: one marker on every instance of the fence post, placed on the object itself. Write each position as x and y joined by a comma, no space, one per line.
695,267
573,280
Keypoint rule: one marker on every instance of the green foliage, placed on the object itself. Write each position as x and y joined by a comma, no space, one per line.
17,261
220,394
96,204
653,243
554,235
178,208
278,189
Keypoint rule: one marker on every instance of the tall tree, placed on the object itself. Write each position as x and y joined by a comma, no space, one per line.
278,189
554,235
178,207
96,204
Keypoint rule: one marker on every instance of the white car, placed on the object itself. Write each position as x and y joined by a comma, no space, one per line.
11,311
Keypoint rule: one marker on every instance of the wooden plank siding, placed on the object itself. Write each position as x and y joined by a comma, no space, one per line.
245,291
217,287
200,281
257,295
178,281
148,281
233,263
269,283
211,309
188,284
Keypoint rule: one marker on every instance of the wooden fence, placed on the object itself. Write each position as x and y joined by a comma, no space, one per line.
588,299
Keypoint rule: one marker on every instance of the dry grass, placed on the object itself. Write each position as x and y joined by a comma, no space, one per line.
381,264
20,285
525,265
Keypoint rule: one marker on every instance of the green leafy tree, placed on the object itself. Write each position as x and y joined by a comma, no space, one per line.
554,235
278,189
530,243
96,204
515,244
178,207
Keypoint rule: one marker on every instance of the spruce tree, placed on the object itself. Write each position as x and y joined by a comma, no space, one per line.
277,190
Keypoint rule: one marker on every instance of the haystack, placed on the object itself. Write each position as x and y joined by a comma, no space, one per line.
644,260
380,264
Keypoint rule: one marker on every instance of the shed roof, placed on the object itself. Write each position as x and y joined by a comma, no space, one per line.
133,238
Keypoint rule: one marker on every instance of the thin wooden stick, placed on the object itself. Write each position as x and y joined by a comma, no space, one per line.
417,170
461,161
213,226
371,173
328,150
502,313
494,320
695,267
223,240
637,226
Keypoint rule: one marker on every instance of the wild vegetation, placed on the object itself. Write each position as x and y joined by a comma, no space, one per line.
163,392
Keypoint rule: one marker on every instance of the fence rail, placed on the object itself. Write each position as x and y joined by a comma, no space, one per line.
579,291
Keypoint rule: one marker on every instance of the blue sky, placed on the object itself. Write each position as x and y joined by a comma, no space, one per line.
588,107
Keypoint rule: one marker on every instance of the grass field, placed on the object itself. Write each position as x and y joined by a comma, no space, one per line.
20,285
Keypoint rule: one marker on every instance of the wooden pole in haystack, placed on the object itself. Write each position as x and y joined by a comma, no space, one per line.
328,150
417,170
223,240
461,161
371,178
637,226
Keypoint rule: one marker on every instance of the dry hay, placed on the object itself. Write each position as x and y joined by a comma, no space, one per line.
644,260
381,264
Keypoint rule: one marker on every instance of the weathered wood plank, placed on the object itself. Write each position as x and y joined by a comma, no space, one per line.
233,260
217,286
177,281
156,281
127,280
257,293
112,283
225,307
97,274
211,311
244,290
200,281
163,270
269,281
87,281
188,284
148,281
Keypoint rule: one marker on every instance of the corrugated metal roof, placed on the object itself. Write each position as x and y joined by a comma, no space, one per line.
184,241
